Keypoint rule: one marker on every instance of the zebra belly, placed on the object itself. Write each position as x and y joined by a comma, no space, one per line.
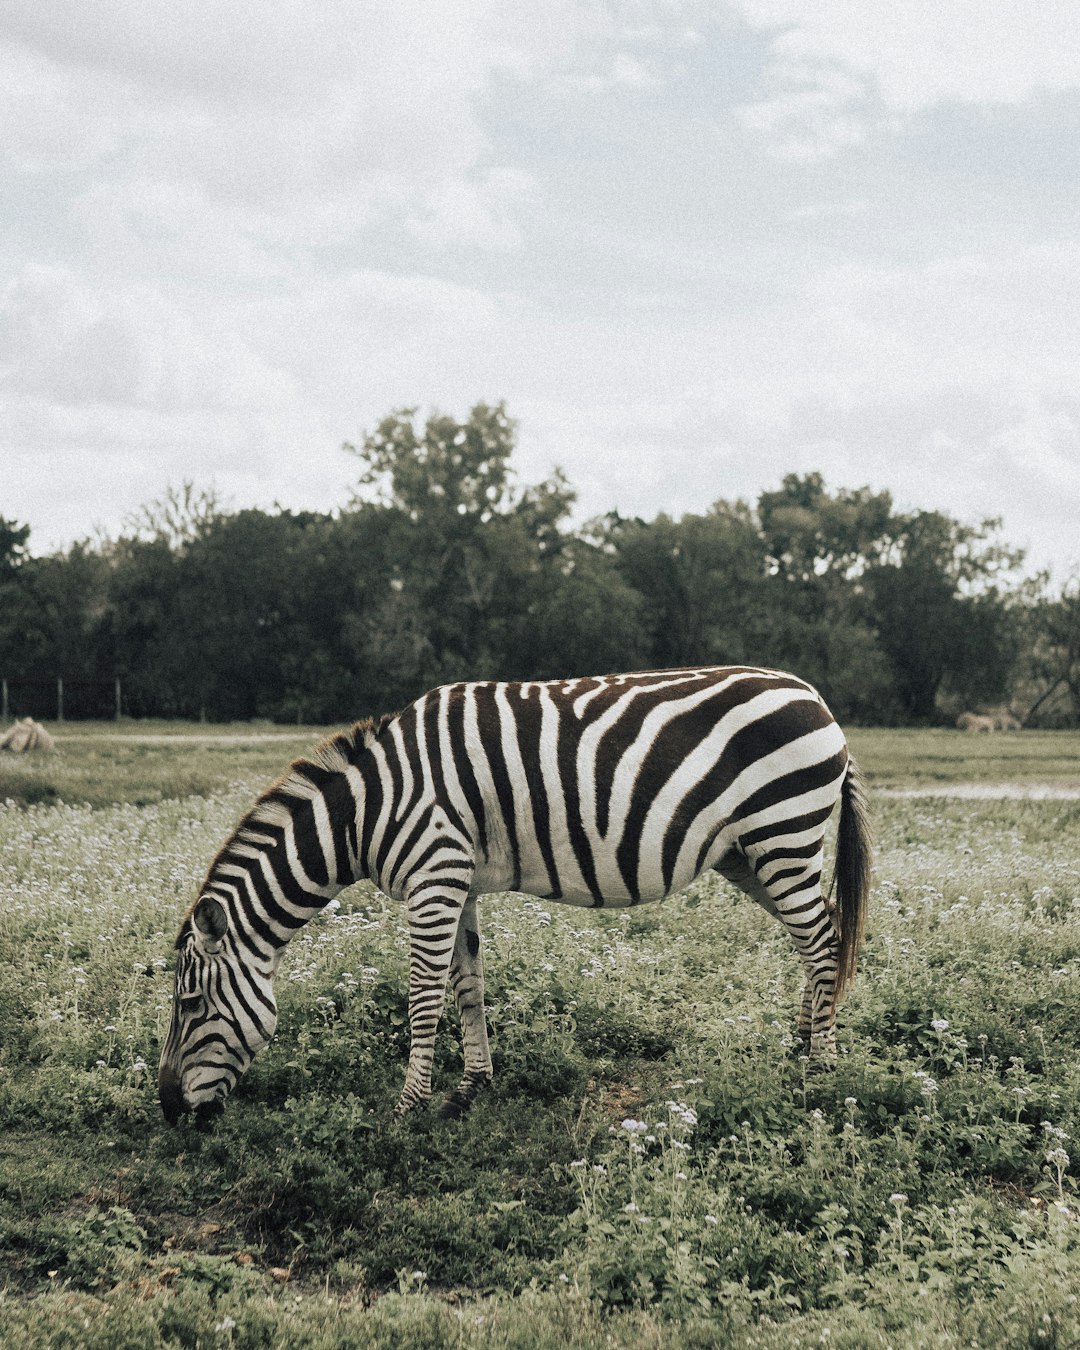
489,878
611,891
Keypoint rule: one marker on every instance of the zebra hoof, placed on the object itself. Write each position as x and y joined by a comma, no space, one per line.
457,1103
408,1106
454,1106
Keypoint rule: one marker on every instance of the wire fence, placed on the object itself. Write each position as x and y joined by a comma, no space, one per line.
56,699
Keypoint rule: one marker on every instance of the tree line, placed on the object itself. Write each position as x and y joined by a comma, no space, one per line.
444,566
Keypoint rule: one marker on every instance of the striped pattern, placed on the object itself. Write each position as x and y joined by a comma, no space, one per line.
606,791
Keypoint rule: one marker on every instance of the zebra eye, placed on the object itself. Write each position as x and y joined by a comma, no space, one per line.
191,1003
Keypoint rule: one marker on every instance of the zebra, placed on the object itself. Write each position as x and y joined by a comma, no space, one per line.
605,791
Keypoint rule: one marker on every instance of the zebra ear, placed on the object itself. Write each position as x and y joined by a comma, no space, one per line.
211,920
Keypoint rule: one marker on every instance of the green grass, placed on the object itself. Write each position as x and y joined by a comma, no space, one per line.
922,758
913,1196
101,763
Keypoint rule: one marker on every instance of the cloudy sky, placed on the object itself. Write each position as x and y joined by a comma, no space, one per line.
694,246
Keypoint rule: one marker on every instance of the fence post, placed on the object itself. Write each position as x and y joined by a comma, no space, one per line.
59,698
118,698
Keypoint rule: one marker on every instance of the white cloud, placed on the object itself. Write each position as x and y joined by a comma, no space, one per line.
839,69
233,240
624,71
296,122
480,211
950,382
132,346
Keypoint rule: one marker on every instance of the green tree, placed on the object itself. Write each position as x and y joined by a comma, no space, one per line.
701,579
234,618
583,618
468,552
52,624
13,550
142,623
814,536
179,517
18,618
943,598
1055,654
242,623
819,616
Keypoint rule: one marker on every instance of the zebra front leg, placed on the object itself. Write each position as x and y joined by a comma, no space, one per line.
434,912
467,981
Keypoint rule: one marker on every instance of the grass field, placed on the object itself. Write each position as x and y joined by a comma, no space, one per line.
654,1166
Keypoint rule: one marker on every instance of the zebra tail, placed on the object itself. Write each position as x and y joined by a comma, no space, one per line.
851,874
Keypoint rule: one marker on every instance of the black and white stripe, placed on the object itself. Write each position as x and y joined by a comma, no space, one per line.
606,791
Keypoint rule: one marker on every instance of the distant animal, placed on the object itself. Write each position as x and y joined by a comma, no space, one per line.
607,791
975,722
1006,720
25,737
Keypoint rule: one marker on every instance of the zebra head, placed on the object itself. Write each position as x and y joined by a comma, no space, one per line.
223,1013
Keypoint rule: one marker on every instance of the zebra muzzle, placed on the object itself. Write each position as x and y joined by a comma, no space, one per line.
170,1095
206,1113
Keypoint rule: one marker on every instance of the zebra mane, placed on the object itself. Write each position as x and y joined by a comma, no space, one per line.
301,781
338,752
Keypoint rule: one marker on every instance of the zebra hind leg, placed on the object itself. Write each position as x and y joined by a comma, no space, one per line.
786,882
794,885
467,982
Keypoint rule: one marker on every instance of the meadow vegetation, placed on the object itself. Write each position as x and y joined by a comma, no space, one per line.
655,1164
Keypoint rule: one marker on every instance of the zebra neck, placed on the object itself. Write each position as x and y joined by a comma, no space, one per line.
288,859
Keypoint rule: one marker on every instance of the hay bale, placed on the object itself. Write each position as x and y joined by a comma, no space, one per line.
975,722
15,737
26,737
42,739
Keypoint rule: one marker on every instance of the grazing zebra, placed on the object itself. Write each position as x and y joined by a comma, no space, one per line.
607,791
